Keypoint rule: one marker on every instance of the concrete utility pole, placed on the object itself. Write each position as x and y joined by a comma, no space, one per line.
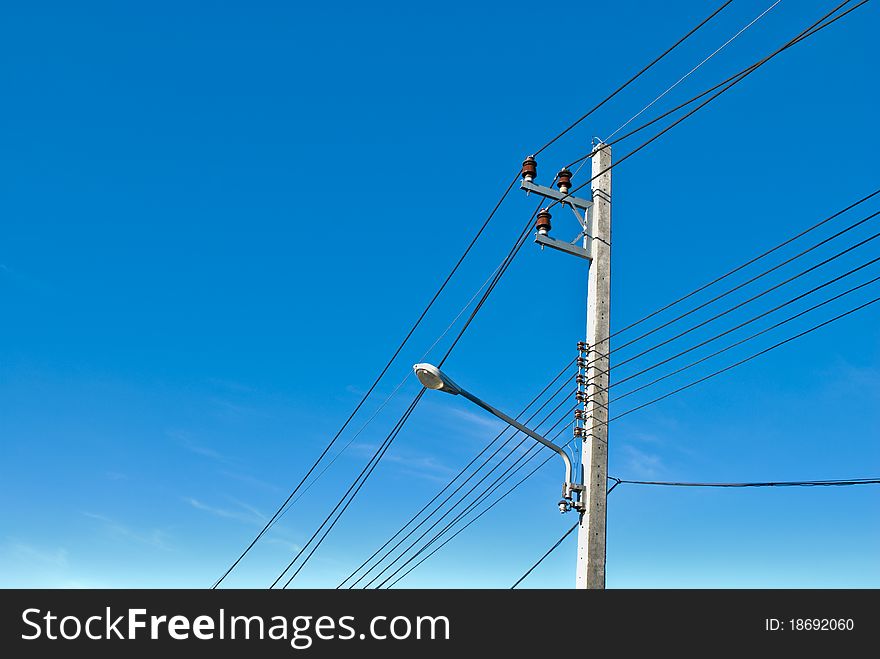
594,440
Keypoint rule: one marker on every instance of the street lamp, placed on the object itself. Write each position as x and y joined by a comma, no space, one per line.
432,377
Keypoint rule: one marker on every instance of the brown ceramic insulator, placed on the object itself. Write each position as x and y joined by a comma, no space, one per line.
530,168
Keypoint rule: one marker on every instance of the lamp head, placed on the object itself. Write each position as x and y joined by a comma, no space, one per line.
432,377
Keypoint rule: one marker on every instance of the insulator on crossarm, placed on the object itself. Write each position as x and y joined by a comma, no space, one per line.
563,180
582,346
530,169
543,222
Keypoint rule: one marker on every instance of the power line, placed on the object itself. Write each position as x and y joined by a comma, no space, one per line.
749,300
549,551
558,542
746,283
803,35
689,73
747,359
635,77
738,268
825,483
813,29
620,481
752,336
763,314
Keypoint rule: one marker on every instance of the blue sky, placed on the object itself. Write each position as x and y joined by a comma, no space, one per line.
219,220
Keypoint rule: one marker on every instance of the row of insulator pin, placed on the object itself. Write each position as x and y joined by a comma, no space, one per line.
563,182
581,394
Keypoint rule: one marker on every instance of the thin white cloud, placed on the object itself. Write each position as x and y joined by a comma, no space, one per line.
229,385
352,389
287,545
185,440
151,537
641,464
28,553
250,480
247,514
421,465
482,422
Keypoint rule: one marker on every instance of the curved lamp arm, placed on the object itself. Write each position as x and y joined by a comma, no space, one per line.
432,377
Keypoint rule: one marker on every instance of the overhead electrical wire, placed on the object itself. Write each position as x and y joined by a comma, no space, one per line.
692,71
747,359
740,267
635,77
752,336
549,551
843,482
803,35
619,481
813,29
746,283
